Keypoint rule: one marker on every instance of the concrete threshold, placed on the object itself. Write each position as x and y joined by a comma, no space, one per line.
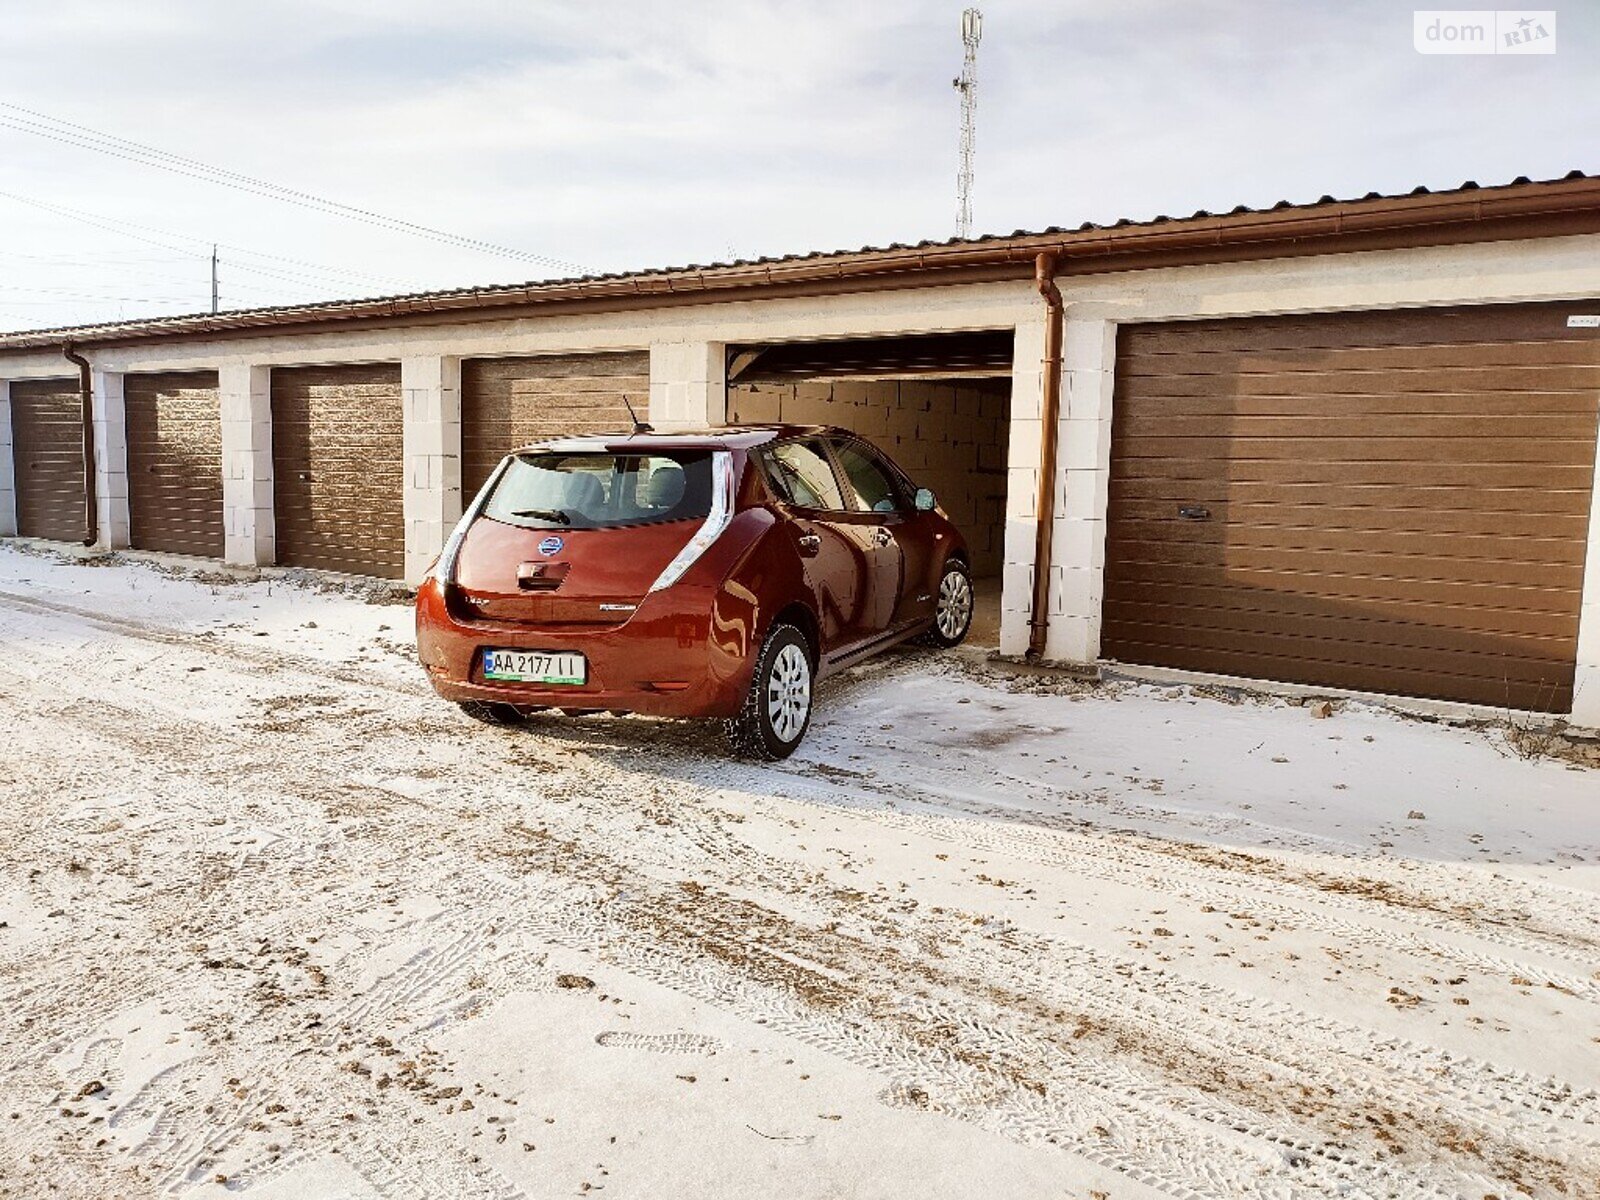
1448,712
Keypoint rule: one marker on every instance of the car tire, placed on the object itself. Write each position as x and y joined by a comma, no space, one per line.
777,708
953,604
493,712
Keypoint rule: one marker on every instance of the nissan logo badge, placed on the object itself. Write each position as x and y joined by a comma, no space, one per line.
550,545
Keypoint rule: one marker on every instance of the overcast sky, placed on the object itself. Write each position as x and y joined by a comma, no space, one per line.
628,135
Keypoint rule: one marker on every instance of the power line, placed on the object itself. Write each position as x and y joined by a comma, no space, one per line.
105,223
138,268
315,280
102,257
136,231
66,132
142,273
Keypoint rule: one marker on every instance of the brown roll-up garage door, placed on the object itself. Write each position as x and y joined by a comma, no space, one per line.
1393,502
509,402
174,462
47,445
338,466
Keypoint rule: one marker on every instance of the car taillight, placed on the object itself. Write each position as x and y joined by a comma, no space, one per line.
444,569
716,521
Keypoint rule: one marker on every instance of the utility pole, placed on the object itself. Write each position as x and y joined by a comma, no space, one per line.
213,277
967,85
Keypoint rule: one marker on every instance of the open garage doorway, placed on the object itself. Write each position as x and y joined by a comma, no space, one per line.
938,404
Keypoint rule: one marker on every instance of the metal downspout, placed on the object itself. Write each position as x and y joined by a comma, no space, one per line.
91,498
1049,414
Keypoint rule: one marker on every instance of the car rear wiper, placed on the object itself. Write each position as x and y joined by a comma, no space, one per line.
543,514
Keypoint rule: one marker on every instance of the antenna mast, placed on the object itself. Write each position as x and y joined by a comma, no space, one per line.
967,85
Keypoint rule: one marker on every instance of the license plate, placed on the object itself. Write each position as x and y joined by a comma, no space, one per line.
534,666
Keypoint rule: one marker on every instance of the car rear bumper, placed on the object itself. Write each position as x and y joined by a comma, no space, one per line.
664,661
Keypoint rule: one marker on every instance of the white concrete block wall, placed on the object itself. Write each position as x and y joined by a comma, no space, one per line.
246,397
8,476
1586,682
946,434
1083,461
1024,446
110,459
688,385
430,389
1077,560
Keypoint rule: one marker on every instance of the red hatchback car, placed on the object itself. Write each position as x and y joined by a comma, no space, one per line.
717,574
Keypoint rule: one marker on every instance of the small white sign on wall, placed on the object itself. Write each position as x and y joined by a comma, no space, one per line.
1584,321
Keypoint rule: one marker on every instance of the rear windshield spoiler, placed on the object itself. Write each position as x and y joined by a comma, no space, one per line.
643,444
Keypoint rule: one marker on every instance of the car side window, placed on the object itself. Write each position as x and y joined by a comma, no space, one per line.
802,473
869,479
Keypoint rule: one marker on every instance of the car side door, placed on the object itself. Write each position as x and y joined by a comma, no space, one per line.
801,473
902,537
877,508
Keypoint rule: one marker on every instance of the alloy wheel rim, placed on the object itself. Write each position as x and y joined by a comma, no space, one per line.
789,692
955,605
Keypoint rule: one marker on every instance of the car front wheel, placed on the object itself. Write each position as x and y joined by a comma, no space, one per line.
777,708
952,614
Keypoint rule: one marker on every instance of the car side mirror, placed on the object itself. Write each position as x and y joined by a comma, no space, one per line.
925,500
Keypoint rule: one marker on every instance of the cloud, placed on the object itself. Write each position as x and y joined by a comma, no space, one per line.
637,134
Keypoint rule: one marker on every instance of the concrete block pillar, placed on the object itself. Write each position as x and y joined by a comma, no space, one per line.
110,459
688,385
250,534
1024,443
8,475
1083,466
431,391
1077,567
1586,682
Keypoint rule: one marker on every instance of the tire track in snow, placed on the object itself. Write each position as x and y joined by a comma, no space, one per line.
1047,839
1221,1153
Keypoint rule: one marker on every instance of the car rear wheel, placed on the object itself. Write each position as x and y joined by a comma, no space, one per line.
493,712
952,613
777,709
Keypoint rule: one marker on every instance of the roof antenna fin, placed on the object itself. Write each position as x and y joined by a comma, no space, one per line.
638,425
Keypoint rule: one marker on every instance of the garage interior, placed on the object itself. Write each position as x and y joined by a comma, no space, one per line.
1392,502
939,405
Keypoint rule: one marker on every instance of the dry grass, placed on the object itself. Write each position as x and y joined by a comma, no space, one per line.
1555,743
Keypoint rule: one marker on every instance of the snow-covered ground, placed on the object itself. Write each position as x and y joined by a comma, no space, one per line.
275,921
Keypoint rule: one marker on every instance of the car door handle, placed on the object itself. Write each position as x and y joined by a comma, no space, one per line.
810,545
881,537
1194,512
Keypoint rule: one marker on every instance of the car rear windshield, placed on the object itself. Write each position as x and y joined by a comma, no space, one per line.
549,490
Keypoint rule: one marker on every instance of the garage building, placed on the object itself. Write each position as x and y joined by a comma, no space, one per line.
1346,446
